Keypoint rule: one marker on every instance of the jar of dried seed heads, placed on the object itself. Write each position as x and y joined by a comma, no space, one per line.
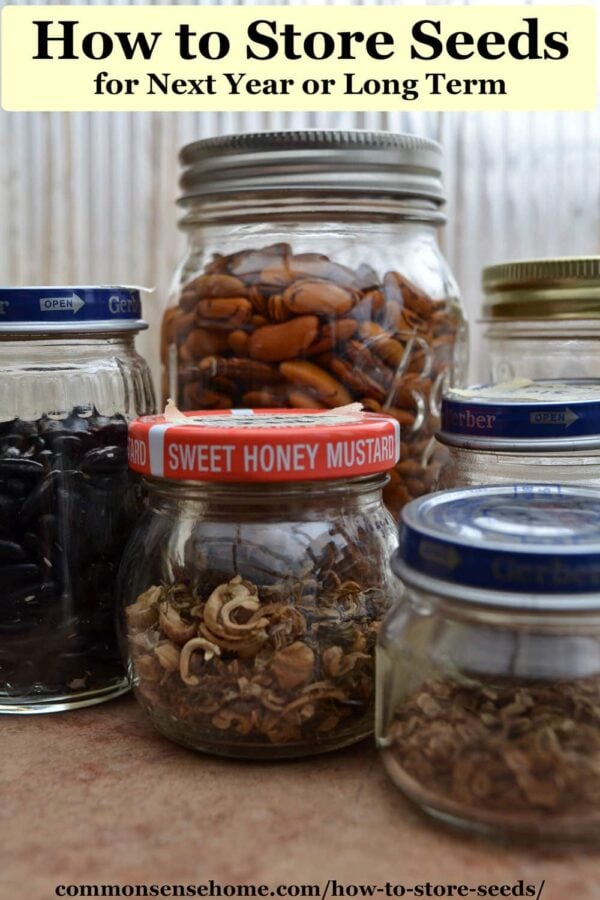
488,703
519,430
255,583
313,278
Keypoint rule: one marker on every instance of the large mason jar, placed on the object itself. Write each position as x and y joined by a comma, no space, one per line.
542,319
488,664
313,278
69,381
255,582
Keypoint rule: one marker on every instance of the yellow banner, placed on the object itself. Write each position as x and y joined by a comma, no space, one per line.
298,57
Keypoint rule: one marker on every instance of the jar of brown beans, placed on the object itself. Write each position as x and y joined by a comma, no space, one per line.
313,278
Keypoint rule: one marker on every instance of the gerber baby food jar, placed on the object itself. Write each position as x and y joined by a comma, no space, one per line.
522,430
488,709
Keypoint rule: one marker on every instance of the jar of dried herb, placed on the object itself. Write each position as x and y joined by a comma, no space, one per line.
313,277
488,709
520,430
255,583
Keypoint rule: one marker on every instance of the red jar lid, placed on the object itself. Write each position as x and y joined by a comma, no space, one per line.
263,445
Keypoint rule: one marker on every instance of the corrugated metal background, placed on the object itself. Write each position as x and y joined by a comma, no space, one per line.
90,197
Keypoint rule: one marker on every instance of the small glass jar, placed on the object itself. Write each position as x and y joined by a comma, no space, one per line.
542,319
312,278
522,431
488,694
69,381
254,584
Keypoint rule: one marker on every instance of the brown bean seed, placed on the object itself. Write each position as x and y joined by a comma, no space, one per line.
238,342
204,342
233,310
207,287
320,297
326,388
197,397
264,399
371,303
302,400
332,334
382,343
276,343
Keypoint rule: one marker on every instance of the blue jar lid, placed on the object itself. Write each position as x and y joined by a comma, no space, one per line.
524,415
83,309
511,545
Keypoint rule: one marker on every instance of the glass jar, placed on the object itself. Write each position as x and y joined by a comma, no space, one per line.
313,278
255,582
522,431
488,694
70,379
542,319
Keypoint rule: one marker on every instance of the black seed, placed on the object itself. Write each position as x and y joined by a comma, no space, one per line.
11,452
39,500
104,459
20,468
11,552
70,445
23,428
16,487
66,511
17,575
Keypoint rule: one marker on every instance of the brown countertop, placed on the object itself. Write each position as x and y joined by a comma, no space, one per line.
96,796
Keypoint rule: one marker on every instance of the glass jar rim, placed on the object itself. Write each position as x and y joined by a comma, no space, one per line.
261,488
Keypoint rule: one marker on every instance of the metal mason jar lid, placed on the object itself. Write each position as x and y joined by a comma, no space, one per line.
70,309
563,288
370,162
532,547
524,416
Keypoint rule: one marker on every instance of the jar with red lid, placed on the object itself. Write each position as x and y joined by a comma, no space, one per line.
253,586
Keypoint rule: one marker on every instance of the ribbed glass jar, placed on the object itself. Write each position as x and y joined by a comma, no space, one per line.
67,503
312,278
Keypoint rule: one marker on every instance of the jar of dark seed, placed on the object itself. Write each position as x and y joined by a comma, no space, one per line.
488,710
69,381
312,278
254,584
